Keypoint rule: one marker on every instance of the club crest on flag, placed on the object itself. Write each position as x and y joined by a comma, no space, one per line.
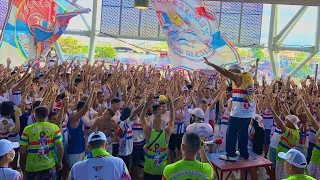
192,32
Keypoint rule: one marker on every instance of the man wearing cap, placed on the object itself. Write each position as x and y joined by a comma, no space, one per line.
7,154
243,108
295,164
99,164
203,129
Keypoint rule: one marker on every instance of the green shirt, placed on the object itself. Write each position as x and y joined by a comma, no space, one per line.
315,158
299,177
40,138
99,152
156,155
288,140
183,170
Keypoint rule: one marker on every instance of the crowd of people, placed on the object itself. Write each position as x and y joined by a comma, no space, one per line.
82,122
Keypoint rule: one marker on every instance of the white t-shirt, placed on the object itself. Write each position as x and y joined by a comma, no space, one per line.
4,98
204,130
224,124
15,97
6,126
9,174
267,119
137,132
276,136
179,122
100,168
125,138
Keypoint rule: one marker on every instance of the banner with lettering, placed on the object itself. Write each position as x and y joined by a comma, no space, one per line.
32,26
192,32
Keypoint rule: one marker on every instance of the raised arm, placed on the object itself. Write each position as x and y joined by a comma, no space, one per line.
232,76
170,126
310,117
146,128
276,118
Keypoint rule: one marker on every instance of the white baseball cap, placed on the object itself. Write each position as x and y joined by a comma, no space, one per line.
258,118
6,146
235,67
197,112
96,136
294,157
294,120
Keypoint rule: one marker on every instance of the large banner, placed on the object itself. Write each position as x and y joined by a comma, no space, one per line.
32,26
192,32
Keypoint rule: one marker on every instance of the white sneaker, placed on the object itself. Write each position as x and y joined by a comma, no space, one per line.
238,153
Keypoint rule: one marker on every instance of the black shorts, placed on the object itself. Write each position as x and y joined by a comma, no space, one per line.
151,177
127,160
175,141
115,150
137,153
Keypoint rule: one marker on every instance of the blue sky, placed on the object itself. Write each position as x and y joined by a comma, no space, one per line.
302,34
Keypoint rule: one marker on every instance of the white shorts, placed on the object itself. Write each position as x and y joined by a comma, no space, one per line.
74,158
314,170
280,171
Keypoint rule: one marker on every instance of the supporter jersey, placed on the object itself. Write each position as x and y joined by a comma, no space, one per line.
204,130
15,96
40,138
303,135
224,124
267,119
312,135
275,136
179,122
288,141
31,119
3,98
125,138
315,158
137,133
156,153
100,167
183,170
299,177
243,105
6,126
9,174
206,115
250,137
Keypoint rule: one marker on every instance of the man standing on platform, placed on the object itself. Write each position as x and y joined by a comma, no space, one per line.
243,108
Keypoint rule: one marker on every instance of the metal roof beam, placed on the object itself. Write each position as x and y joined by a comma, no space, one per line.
288,2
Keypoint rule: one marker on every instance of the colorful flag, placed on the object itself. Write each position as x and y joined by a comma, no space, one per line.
192,32
32,26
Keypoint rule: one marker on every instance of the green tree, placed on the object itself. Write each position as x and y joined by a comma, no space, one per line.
258,54
70,45
300,57
160,46
243,52
105,51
